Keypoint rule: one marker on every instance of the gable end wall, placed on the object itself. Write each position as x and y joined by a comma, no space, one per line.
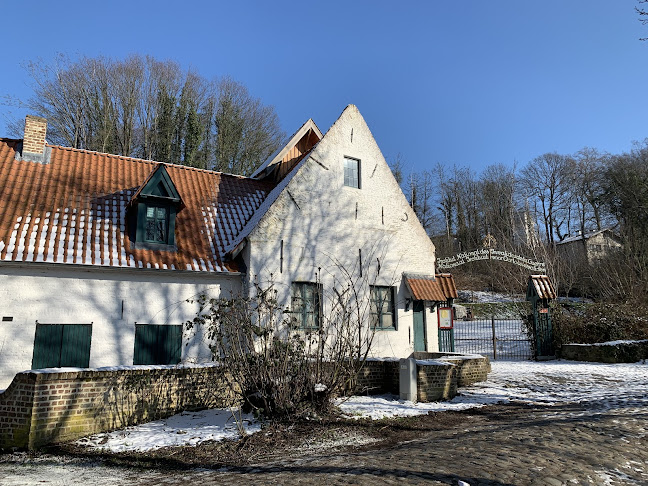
324,226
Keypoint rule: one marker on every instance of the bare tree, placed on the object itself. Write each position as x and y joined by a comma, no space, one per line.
497,188
626,195
147,108
643,15
586,186
247,132
421,188
545,179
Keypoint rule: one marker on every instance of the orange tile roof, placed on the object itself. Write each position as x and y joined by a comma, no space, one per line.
542,285
438,289
447,284
72,210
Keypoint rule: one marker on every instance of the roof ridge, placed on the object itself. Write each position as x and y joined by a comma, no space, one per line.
138,159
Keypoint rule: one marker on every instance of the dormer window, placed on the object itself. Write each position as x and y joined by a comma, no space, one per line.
153,210
156,225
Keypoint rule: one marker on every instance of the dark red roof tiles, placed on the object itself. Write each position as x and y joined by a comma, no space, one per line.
73,210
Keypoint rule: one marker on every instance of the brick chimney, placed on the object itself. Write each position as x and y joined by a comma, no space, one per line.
33,145
35,130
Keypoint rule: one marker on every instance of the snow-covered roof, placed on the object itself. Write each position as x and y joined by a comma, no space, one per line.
586,236
73,210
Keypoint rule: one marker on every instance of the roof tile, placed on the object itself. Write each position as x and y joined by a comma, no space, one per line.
73,210
438,289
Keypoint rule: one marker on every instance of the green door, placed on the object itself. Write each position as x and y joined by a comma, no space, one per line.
446,329
446,340
543,334
158,345
62,345
419,326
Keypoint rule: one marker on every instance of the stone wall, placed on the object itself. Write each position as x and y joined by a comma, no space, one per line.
613,352
470,368
42,408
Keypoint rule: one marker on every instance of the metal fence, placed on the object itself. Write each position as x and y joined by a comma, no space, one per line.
495,337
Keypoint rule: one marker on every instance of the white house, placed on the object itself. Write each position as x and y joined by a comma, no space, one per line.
100,253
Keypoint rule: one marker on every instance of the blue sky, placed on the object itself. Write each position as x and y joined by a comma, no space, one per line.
469,83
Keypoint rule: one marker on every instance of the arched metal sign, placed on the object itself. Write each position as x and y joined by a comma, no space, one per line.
490,254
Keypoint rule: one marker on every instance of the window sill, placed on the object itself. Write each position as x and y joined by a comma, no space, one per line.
147,245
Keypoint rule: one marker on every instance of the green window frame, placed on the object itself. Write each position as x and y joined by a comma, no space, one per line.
351,172
382,309
157,344
306,305
153,215
156,224
62,346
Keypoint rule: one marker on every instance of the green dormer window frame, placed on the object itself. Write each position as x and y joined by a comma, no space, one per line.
156,205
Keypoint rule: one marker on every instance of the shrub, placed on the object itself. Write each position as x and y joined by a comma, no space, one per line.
597,323
281,372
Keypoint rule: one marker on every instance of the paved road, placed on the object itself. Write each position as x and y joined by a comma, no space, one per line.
569,444
601,439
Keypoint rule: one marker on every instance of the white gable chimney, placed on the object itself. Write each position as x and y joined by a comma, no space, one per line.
35,131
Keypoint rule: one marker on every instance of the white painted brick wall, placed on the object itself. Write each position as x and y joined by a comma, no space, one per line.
316,219
57,294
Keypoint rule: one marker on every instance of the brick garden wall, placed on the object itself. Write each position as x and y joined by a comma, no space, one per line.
471,368
41,408
378,376
437,381
620,352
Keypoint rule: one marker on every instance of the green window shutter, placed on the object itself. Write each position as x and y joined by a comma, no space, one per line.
47,346
157,345
62,345
145,339
171,344
75,347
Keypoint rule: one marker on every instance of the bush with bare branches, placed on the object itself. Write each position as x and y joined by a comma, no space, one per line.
280,371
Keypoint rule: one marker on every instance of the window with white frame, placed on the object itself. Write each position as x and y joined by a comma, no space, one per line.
382,307
351,172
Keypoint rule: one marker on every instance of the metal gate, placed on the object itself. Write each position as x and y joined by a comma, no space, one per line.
499,338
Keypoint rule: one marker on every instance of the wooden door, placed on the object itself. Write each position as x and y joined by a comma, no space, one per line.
419,326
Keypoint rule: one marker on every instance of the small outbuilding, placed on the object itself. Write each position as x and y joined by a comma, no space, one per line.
540,292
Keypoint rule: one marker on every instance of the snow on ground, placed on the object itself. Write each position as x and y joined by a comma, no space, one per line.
537,383
487,296
388,405
184,429
560,382
482,296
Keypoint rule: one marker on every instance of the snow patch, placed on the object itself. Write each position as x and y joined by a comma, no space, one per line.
184,429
